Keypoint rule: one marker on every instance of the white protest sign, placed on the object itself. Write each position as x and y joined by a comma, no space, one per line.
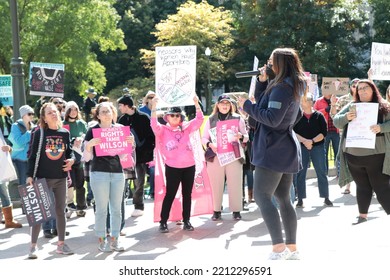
359,134
380,61
175,75
253,80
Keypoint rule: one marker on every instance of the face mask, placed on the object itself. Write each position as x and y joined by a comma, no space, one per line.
270,73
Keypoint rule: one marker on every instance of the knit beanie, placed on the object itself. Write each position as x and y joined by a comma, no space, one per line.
24,110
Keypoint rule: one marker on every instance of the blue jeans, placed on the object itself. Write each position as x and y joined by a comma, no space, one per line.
4,195
108,191
21,170
333,137
317,156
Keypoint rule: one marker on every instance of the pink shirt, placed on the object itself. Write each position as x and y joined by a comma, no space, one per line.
175,143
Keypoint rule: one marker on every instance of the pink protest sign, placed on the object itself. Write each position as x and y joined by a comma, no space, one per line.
226,130
113,141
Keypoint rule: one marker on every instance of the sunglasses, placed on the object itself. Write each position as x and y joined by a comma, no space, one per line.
57,102
174,115
31,114
150,97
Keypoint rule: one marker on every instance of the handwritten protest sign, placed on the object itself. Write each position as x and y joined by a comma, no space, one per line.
175,75
47,79
380,61
337,86
359,134
37,202
113,141
6,95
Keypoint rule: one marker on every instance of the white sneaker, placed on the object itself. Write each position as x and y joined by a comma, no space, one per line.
137,213
294,256
32,255
274,256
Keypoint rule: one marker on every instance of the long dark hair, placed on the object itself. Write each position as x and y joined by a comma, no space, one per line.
287,64
384,107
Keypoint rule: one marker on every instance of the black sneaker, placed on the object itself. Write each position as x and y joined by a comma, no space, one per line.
299,204
55,233
163,228
188,226
47,233
328,203
237,216
359,220
216,216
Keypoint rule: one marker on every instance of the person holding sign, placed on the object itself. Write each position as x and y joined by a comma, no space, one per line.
231,169
276,149
106,175
368,167
178,155
55,160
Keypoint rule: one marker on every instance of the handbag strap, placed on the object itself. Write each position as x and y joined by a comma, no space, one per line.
38,152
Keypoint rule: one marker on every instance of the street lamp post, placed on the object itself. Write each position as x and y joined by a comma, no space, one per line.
207,52
16,63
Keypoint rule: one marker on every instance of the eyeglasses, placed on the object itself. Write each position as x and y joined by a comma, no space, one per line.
31,114
175,115
104,112
364,88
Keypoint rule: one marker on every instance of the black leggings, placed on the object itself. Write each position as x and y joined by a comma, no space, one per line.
268,183
175,176
367,174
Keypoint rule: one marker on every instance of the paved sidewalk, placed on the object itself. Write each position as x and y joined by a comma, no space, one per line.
327,241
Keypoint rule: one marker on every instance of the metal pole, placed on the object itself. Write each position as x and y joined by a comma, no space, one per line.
208,97
16,63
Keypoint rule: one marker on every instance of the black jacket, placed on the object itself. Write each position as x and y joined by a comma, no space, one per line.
145,141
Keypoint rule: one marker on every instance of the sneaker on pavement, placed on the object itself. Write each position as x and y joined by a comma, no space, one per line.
72,206
64,249
237,216
216,216
137,213
115,246
32,255
163,228
187,226
359,220
81,213
104,247
274,256
48,234
299,204
328,203
294,256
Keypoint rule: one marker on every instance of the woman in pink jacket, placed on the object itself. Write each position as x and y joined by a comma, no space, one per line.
178,156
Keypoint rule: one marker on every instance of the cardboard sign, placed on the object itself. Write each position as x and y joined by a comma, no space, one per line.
337,86
113,141
175,75
37,202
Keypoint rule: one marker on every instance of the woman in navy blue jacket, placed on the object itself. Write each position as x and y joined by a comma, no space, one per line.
276,152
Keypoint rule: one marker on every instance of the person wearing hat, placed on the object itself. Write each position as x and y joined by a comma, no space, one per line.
19,138
77,129
89,103
140,127
335,108
178,156
146,104
233,171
